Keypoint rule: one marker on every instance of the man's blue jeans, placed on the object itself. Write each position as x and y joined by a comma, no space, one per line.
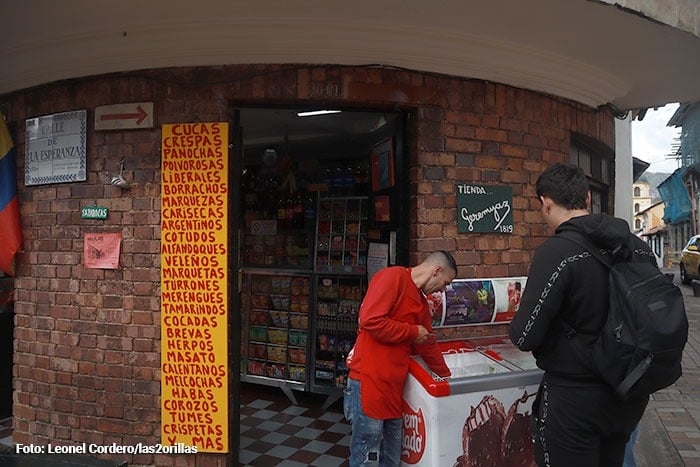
373,442
629,449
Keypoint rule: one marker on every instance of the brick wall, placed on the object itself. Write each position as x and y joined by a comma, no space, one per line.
87,341
492,134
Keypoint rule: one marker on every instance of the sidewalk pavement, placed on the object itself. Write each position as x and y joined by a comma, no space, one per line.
670,429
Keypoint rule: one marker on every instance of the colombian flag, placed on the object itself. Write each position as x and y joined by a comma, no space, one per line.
10,233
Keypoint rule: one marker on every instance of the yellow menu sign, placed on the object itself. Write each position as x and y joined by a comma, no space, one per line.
194,351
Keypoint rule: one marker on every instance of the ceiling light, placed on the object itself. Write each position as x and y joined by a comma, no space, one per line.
317,112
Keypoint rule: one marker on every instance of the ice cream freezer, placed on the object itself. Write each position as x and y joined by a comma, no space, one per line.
480,416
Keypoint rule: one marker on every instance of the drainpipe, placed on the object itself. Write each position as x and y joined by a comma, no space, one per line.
693,204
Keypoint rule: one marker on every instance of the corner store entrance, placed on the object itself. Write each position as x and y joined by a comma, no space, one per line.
305,209
312,192
307,202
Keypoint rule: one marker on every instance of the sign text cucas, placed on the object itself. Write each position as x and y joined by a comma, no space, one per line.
194,351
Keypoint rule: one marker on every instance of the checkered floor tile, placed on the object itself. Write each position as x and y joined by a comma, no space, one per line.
276,432
6,434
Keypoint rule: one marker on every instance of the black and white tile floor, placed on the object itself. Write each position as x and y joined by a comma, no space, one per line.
6,434
276,432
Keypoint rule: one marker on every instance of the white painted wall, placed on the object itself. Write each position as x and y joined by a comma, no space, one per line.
623,169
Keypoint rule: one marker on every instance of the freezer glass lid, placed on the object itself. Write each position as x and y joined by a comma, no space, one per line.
466,364
511,354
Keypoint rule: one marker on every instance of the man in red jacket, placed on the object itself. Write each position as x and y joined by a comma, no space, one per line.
394,323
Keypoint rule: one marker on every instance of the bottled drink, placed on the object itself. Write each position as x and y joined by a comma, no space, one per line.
309,210
281,213
298,211
289,212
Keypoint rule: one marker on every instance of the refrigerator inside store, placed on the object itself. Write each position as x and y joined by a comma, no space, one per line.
478,416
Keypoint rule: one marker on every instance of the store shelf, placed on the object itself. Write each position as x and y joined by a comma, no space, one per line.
299,318
290,249
341,235
275,344
338,299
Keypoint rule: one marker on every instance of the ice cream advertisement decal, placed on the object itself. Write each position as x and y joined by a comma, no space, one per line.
413,444
470,430
477,301
492,436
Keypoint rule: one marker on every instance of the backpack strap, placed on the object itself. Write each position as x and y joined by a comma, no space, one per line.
595,252
581,240
634,376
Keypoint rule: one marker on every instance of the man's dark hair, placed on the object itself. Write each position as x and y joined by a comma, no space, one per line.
444,259
566,184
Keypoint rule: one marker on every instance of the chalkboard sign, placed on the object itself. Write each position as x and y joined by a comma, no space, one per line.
484,209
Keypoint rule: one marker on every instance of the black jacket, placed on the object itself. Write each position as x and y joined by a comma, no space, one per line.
567,289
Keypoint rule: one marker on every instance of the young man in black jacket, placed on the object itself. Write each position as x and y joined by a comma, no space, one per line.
577,419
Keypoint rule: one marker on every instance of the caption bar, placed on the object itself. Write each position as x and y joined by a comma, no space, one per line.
91,448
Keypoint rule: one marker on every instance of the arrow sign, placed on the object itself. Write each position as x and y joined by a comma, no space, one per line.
124,116
140,115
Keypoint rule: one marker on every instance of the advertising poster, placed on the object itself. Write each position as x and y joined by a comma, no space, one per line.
194,351
377,258
477,301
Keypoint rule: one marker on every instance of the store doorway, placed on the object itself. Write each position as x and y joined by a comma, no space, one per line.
312,193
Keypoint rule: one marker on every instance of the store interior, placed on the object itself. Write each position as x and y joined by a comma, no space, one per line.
291,155
306,216
308,211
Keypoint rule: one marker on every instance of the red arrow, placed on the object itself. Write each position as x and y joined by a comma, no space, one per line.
140,115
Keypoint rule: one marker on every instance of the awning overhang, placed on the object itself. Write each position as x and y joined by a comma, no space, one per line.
587,51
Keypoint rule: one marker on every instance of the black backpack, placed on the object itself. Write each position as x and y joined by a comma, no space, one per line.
641,346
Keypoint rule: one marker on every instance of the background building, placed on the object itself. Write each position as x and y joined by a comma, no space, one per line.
642,200
680,190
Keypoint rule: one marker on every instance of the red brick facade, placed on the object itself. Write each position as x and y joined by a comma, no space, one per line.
87,341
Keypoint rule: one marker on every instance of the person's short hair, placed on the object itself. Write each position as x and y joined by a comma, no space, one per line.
442,258
565,184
